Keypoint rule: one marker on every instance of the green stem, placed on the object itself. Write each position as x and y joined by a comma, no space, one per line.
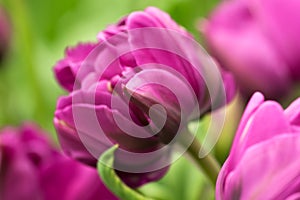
208,164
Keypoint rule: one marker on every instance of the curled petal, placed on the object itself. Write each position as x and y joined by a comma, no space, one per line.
67,68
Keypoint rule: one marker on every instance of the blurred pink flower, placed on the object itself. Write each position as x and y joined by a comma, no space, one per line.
31,168
257,40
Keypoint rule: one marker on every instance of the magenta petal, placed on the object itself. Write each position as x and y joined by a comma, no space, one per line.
287,42
97,134
140,20
65,75
275,123
233,36
254,103
23,152
295,196
293,113
153,17
221,181
173,61
96,128
165,20
126,133
112,30
72,144
266,170
76,182
17,171
161,85
67,68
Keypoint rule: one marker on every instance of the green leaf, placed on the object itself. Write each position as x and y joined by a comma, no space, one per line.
112,181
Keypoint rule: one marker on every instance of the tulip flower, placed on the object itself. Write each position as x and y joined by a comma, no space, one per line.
115,85
5,32
31,168
264,159
258,42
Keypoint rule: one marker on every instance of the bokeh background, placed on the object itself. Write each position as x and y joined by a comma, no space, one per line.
41,30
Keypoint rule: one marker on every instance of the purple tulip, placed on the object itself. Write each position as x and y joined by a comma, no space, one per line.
258,41
112,93
264,159
31,168
5,32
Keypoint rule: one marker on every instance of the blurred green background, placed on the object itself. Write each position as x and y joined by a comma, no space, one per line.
41,32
